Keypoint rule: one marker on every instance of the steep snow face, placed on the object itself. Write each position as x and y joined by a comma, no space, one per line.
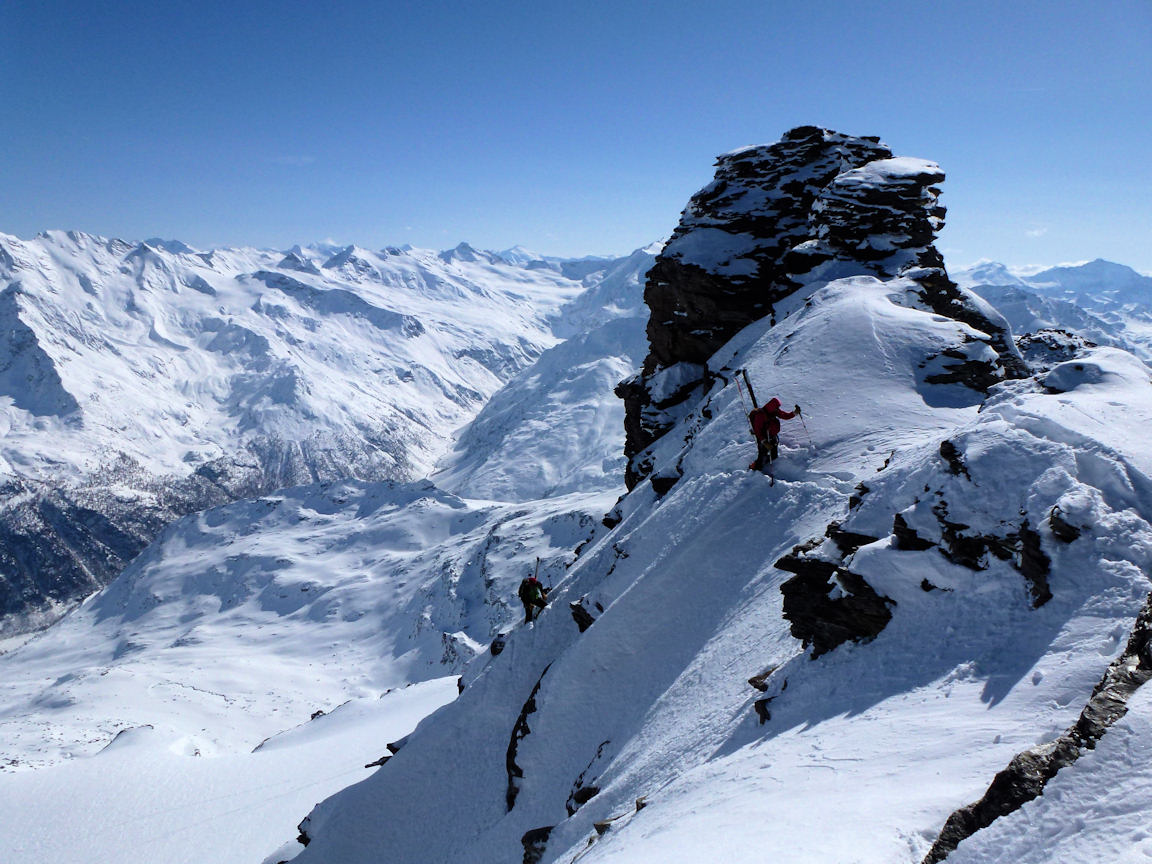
557,427
1003,547
141,382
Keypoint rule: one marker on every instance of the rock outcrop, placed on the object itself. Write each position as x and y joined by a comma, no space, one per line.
785,218
827,605
1029,772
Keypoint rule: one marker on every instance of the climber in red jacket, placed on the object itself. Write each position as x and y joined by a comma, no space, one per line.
765,422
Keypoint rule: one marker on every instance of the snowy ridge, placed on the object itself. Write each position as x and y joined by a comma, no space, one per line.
141,382
777,222
697,591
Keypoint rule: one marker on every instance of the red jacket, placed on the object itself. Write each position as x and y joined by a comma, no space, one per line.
766,419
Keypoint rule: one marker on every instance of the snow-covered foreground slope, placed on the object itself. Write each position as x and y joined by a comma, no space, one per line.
239,624
1095,810
997,551
142,382
143,800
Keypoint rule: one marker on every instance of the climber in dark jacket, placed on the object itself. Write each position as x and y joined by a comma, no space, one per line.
765,422
533,595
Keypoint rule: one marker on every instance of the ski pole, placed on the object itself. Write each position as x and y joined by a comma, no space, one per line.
800,414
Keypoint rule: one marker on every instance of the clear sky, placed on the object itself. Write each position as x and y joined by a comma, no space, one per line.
567,127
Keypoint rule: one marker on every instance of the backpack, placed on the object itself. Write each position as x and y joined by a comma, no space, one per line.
531,591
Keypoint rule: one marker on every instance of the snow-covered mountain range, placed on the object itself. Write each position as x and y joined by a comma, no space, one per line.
936,605
1108,303
141,382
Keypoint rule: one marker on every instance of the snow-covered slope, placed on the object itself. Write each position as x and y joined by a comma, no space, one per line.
865,750
558,427
141,382
239,624
330,591
1095,810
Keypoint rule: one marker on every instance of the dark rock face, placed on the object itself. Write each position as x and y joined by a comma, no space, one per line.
581,614
1028,772
1046,348
952,456
585,788
535,842
1021,547
724,265
885,213
520,731
1062,530
816,205
822,620
847,541
906,537
60,546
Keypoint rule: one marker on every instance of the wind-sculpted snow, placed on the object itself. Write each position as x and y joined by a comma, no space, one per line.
148,381
862,753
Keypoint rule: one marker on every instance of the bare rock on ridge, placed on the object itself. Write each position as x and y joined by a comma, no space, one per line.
816,205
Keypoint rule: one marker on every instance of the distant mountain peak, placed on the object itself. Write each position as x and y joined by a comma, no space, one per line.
176,247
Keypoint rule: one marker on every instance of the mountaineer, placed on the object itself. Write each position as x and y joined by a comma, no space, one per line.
533,595
765,422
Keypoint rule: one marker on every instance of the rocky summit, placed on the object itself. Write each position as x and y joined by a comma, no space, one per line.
777,221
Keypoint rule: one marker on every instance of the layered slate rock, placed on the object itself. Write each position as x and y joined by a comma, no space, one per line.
883,215
777,219
724,265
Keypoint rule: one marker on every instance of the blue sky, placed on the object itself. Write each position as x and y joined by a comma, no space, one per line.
569,128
